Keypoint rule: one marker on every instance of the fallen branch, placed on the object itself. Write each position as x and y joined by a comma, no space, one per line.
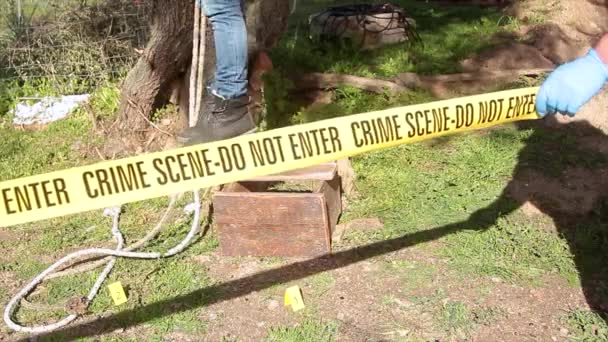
330,81
413,80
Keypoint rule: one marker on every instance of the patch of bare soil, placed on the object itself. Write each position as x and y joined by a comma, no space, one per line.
178,337
553,33
529,209
508,56
9,285
351,295
358,298
8,281
567,28
575,193
530,314
247,317
595,112
11,242
8,236
580,20
553,43
359,302
374,303
595,143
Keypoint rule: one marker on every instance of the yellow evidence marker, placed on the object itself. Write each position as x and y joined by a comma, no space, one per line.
118,293
293,297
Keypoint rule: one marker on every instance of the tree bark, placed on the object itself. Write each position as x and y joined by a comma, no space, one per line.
162,73
165,59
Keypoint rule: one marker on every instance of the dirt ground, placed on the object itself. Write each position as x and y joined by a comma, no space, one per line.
566,30
356,300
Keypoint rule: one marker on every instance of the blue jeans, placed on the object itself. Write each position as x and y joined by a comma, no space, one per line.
230,36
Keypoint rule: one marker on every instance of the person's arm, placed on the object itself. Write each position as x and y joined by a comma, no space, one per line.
573,84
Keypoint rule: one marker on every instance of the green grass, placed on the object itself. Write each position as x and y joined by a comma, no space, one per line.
56,293
449,35
512,252
413,275
310,330
443,180
487,315
25,153
587,326
174,278
430,301
105,100
80,230
456,317
146,282
451,186
416,187
448,318
320,283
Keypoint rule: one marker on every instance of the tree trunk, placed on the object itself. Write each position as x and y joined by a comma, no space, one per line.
162,73
165,59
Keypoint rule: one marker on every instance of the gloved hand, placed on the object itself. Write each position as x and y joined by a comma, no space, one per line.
572,85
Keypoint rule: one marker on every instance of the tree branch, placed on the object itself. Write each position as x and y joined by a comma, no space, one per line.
413,80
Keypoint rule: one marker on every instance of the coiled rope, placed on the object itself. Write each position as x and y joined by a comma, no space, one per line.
110,256
115,212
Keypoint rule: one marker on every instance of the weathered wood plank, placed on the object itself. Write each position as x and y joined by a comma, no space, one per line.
272,224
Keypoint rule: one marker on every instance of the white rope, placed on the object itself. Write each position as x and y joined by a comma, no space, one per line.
200,60
193,115
93,265
198,64
194,208
196,86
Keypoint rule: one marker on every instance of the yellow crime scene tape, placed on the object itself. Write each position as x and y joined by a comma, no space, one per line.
153,175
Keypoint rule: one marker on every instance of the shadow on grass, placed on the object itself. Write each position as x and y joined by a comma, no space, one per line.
579,210
563,172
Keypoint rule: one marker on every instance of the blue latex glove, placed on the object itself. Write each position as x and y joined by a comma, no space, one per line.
572,85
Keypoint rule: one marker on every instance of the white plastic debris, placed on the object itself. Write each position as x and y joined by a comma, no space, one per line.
46,109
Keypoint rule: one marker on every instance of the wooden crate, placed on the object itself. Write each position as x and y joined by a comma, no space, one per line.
253,219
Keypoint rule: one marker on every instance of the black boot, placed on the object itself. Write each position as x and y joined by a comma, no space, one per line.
223,120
